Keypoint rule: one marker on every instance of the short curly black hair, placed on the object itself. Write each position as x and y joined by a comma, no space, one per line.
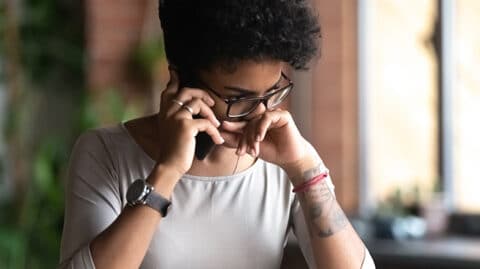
199,34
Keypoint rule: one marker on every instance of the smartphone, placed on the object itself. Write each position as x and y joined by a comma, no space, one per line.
203,142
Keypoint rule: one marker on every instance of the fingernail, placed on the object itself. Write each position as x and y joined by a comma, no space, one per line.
222,140
259,137
209,101
217,123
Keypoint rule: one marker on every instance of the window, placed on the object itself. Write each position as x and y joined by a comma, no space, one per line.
420,99
398,68
465,104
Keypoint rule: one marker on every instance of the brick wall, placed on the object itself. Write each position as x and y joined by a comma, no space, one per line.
334,124
114,28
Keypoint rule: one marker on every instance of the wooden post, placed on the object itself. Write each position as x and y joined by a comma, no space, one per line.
334,123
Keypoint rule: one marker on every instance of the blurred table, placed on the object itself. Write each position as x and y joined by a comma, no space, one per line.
441,253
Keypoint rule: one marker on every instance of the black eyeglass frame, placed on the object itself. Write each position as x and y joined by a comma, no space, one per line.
260,99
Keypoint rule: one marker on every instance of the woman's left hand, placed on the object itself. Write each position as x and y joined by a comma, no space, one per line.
273,137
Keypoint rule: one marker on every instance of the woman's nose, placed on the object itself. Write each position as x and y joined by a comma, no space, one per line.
259,110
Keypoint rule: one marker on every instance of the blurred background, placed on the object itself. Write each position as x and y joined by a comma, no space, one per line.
392,106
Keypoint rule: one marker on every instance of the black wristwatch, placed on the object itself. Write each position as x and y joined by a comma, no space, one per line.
142,193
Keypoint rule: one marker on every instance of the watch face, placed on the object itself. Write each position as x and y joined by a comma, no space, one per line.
136,191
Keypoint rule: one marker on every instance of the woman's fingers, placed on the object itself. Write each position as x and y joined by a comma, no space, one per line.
203,125
238,128
242,128
242,146
256,148
196,107
186,94
262,127
255,130
232,140
274,119
235,127
173,97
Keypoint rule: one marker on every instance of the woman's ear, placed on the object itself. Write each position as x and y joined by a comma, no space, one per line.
172,66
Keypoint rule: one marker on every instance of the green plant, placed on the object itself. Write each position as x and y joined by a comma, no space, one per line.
148,55
30,232
52,43
47,53
50,109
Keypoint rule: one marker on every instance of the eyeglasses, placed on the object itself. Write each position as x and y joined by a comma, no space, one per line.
240,107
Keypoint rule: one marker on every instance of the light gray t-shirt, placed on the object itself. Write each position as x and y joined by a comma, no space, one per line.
238,221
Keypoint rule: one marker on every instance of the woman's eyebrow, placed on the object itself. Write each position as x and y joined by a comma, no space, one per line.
246,91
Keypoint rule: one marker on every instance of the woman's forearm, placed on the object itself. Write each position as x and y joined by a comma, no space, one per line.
334,241
125,242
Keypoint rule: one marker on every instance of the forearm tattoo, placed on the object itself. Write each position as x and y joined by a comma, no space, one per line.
323,211
309,174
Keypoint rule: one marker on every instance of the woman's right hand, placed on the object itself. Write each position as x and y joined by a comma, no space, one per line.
177,128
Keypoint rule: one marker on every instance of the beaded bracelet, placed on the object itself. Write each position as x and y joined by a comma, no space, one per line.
309,183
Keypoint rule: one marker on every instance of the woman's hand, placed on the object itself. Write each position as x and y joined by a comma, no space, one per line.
177,128
273,137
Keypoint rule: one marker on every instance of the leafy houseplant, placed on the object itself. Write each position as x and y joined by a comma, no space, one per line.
50,109
45,45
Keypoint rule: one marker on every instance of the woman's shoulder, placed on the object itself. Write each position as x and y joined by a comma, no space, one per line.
102,134
101,141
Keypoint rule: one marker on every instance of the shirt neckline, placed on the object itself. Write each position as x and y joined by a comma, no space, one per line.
240,174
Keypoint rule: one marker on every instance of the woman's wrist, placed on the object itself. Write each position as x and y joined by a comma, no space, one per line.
164,178
302,170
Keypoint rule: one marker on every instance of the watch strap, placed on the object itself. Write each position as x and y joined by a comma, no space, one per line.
158,202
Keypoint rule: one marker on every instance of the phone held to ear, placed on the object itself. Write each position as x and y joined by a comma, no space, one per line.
203,142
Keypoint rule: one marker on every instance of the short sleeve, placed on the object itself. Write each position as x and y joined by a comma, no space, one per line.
92,198
300,228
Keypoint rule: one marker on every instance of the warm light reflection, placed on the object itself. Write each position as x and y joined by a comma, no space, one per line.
467,106
402,97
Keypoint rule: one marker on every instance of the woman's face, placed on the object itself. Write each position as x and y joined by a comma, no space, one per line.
250,79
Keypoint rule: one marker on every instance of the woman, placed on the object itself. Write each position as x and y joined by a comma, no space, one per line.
138,197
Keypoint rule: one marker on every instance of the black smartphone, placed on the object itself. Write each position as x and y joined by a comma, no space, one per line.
203,142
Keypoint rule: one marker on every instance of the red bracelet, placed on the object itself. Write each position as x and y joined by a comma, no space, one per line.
307,184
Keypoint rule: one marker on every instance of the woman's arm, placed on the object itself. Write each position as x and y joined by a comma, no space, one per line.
125,242
335,244
274,137
98,231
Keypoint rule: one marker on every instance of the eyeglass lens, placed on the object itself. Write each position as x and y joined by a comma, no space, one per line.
245,107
